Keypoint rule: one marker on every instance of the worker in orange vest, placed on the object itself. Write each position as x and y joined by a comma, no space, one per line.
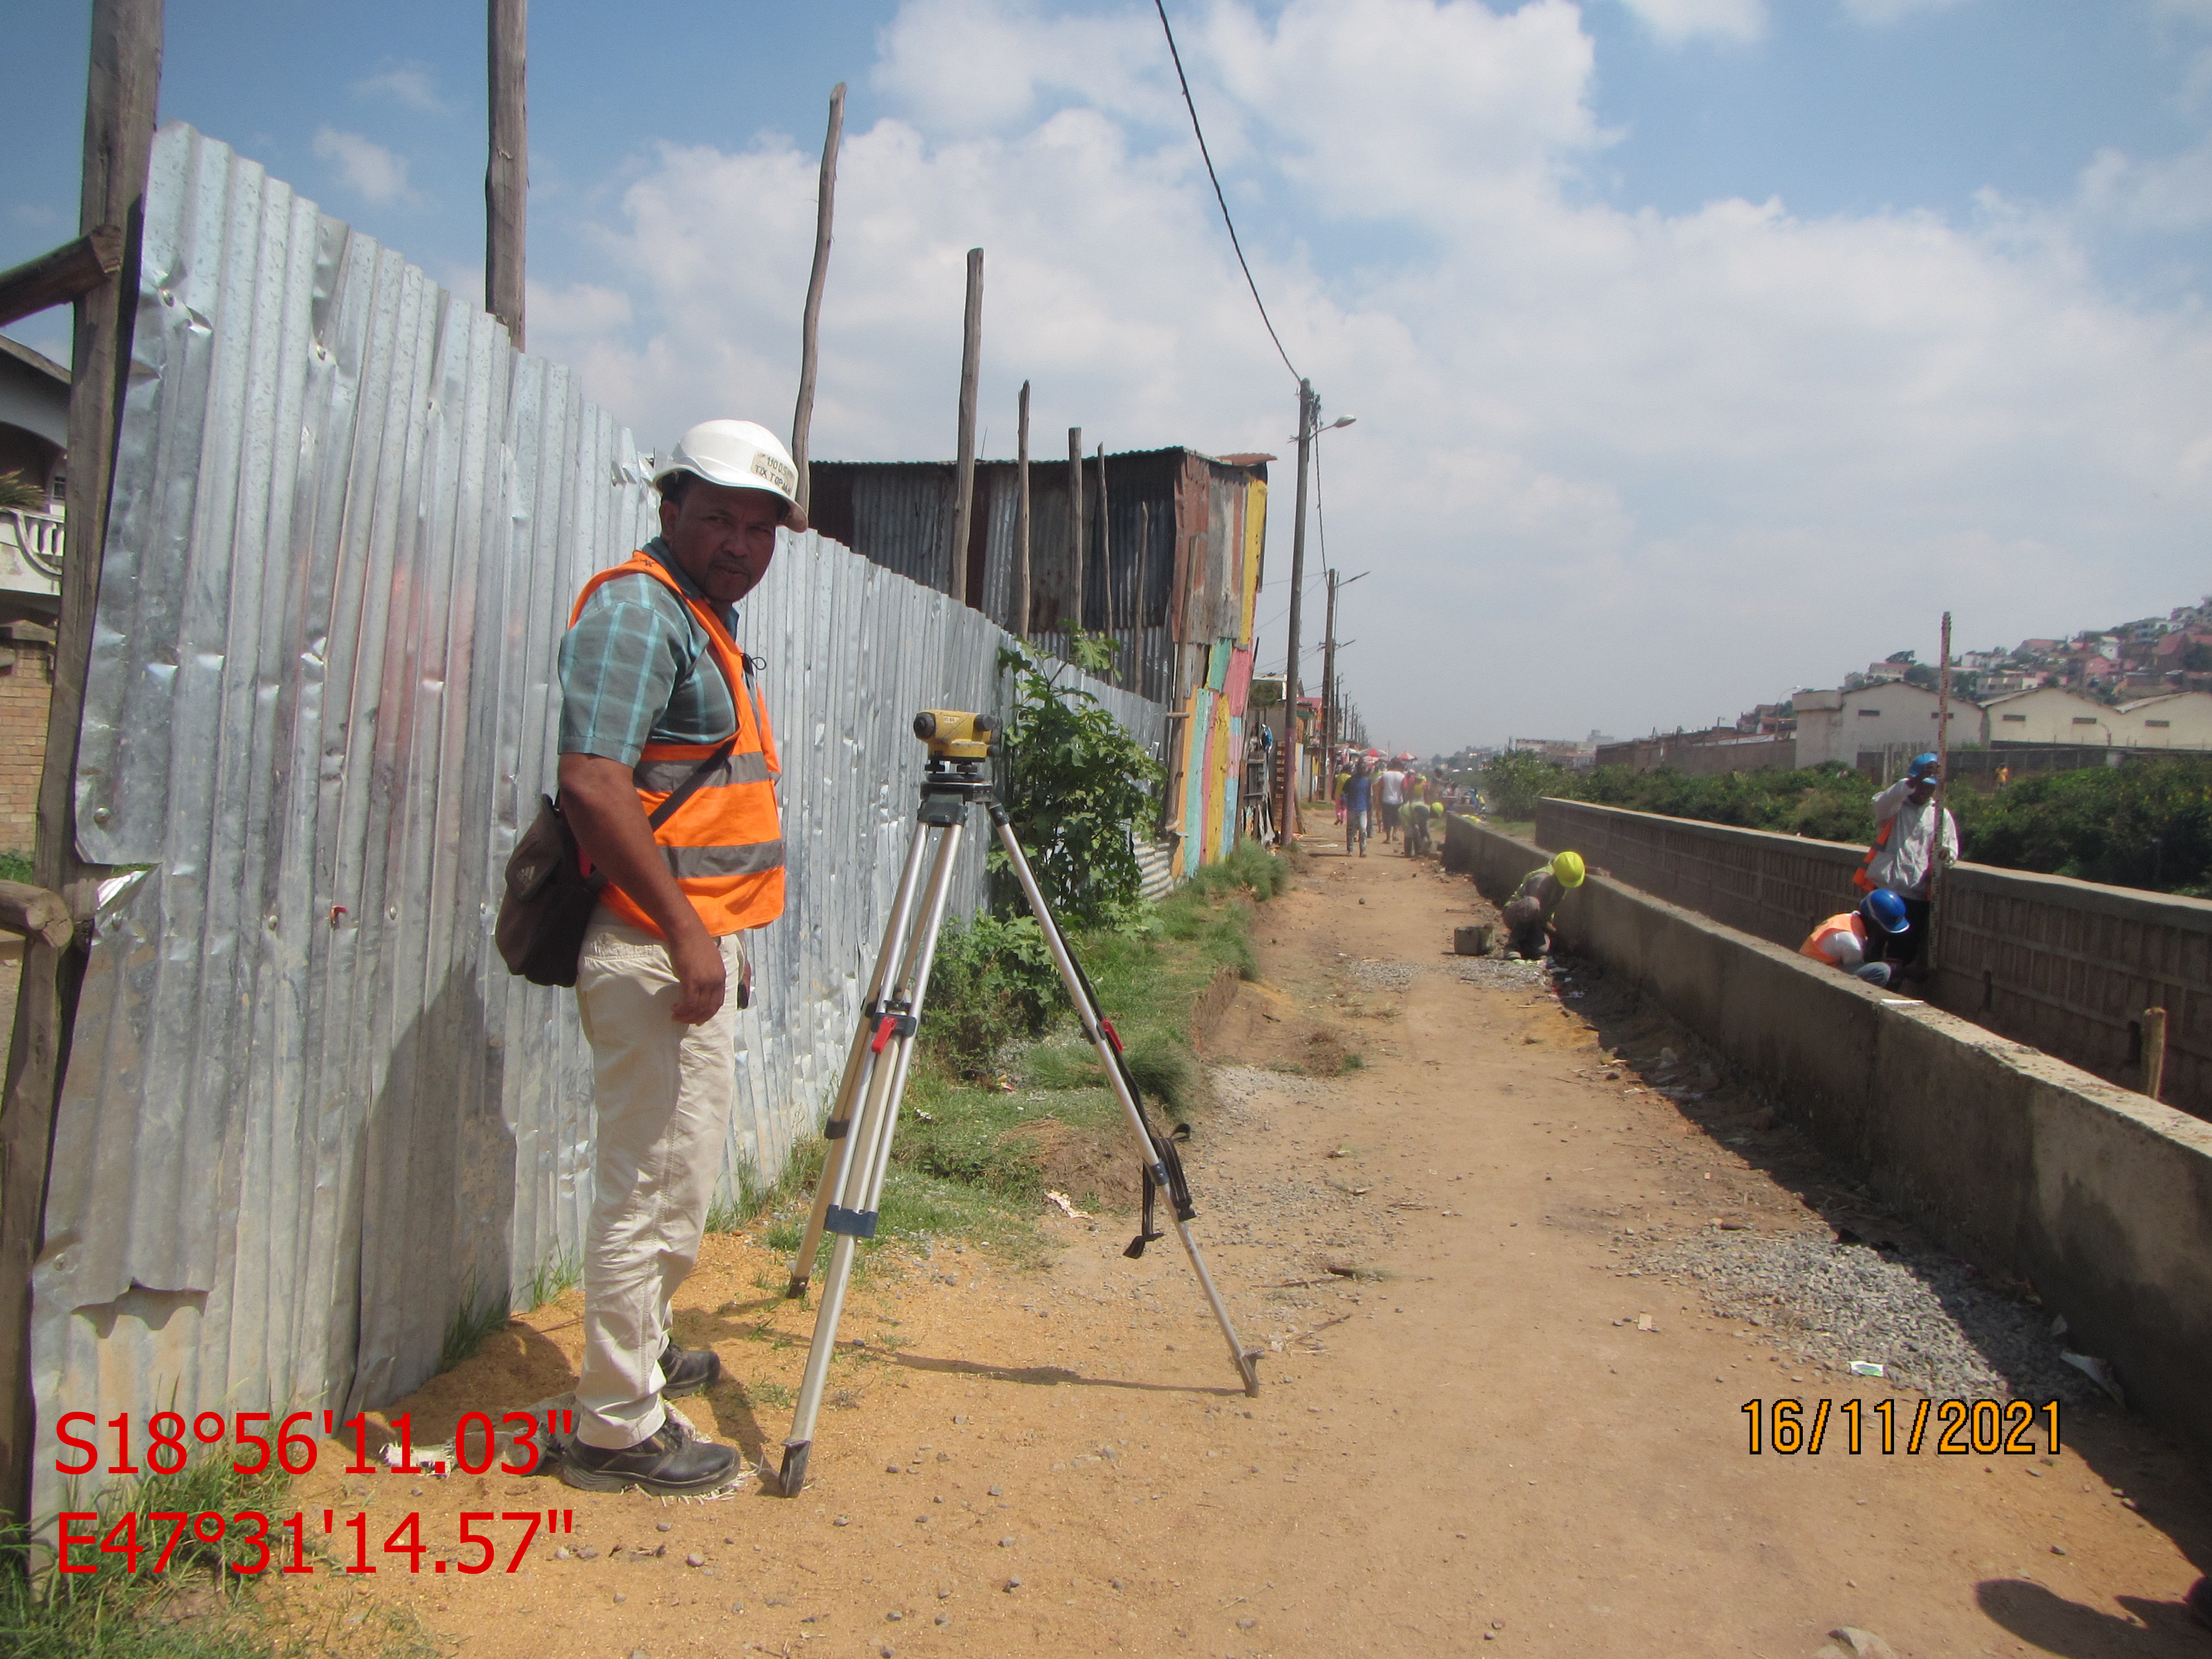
668,775
1865,942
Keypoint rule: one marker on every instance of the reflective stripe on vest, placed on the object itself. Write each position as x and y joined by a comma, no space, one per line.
1846,923
725,844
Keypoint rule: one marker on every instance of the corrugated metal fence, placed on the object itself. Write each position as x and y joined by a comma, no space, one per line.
308,1116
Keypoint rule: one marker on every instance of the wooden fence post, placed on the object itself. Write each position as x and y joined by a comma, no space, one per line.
507,174
825,198
971,366
120,96
1022,519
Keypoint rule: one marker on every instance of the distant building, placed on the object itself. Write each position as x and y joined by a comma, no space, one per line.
34,396
1837,726
2050,713
2181,719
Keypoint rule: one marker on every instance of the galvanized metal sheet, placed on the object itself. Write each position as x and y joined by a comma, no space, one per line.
308,1117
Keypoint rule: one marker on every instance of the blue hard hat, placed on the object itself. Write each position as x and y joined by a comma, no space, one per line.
1925,766
1888,910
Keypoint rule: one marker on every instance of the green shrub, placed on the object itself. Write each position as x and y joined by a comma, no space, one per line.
1076,785
993,981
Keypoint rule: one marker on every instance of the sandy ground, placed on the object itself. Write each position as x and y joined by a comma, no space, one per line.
1474,1446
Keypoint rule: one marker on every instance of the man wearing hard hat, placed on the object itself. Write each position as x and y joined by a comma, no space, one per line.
1912,838
668,771
1528,913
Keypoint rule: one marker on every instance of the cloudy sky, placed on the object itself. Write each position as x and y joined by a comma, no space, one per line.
1699,349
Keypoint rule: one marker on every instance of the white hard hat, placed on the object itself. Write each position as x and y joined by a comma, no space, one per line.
737,454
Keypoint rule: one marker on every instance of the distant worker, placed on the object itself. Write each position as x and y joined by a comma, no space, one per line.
1870,942
1416,814
1528,914
1358,791
1903,856
1390,795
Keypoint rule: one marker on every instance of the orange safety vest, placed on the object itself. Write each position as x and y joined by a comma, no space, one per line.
724,845
1846,923
1859,880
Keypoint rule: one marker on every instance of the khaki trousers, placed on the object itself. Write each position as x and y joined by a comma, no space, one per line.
663,1092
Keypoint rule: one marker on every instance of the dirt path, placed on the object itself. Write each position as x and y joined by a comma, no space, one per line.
1474,1446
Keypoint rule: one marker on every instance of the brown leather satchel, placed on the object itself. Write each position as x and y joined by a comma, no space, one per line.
549,900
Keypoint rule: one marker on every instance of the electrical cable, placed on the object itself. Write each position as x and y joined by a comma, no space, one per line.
1207,156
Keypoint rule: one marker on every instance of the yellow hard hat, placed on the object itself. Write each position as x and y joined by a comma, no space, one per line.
1568,867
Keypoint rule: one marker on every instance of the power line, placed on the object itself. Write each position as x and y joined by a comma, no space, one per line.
1208,155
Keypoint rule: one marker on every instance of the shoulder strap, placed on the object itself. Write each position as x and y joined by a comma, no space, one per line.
690,786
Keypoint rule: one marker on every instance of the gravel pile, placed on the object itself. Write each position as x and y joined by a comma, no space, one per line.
1239,1085
1497,970
1371,975
1927,1318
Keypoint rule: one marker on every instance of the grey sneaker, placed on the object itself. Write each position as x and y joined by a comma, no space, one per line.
688,1370
668,1462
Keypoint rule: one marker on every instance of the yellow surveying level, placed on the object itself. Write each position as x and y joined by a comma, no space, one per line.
955,735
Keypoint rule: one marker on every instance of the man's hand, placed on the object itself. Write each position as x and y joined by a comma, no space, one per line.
701,979
601,803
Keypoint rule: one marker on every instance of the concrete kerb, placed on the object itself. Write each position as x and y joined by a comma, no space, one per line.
2018,1162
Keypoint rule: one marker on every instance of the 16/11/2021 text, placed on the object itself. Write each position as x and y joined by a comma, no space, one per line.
271,1543
289,1444
1981,1428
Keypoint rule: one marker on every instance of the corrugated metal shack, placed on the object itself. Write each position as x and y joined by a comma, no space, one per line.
1171,568
309,1119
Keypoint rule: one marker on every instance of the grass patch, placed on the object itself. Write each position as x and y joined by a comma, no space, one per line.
560,1272
16,866
479,1315
195,1608
1007,1099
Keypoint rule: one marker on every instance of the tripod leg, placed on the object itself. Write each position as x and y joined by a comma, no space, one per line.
1109,1051
853,1217
838,1130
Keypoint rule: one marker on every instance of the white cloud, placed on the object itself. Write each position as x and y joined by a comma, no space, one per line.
2166,193
1878,12
368,169
410,84
1611,468
1680,20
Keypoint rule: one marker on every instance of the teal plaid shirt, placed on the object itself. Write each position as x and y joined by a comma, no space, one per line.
635,669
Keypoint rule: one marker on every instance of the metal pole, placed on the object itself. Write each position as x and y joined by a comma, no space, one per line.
838,1129
825,199
1286,828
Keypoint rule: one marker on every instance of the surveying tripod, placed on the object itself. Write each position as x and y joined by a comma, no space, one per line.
866,1113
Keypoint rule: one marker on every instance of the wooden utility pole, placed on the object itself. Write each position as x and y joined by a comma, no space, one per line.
825,198
1137,612
506,179
121,94
971,365
1022,519
1106,546
1075,528
1285,825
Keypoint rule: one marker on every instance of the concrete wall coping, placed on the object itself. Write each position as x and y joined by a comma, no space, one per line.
2135,904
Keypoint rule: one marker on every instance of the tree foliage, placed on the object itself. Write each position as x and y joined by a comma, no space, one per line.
1076,785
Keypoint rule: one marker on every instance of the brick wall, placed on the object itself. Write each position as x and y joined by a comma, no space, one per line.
26,678
2068,966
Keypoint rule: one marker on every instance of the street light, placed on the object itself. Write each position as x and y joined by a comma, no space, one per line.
1328,732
